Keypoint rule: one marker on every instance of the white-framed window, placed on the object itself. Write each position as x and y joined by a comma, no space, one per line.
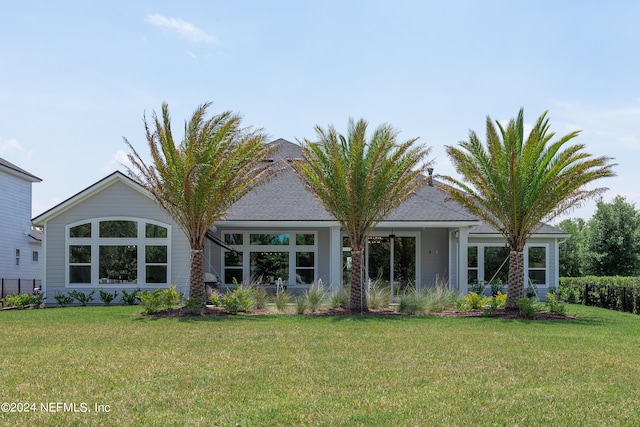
17,256
488,262
472,267
536,262
268,256
491,261
118,252
35,256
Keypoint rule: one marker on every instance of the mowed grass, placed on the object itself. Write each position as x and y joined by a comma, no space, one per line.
317,370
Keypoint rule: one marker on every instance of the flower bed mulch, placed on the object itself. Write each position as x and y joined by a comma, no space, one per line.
500,314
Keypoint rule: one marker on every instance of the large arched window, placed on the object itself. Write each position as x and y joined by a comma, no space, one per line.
117,252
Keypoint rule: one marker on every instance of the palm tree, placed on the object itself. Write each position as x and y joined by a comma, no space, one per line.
216,163
359,182
514,184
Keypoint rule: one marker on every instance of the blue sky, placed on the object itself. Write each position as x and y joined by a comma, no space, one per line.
75,77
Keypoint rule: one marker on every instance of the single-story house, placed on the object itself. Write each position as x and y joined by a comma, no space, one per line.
113,235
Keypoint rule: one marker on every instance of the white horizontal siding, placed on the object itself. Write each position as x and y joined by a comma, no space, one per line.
15,226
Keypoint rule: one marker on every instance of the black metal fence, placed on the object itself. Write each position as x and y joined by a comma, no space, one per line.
19,286
621,298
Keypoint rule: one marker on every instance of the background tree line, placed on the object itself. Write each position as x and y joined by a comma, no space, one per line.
608,244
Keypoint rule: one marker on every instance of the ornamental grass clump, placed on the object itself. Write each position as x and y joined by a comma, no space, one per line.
301,304
412,302
439,298
379,295
340,298
259,296
315,296
281,300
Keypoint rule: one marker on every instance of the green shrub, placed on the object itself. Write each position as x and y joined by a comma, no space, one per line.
315,296
611,292
527,306
63,300
555,306
379,296
151,301
81,297
501,299
215,298
462,305
237,301
107,297
170,297
340,298
281,300
193,306
476,300
23,300
491,309
476,287
129,298
496,286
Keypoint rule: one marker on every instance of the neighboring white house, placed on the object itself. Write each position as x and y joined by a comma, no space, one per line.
20,245
110,236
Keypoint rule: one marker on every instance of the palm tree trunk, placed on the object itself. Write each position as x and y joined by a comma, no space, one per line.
515,290
358,299
196,282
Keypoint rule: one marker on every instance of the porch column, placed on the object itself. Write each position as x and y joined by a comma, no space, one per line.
463,260
335,258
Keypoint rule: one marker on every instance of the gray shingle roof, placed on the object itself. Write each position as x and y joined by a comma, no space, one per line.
285,198
10,167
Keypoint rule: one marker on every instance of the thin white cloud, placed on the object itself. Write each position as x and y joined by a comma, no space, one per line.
611,127
12,146
184,28
119,161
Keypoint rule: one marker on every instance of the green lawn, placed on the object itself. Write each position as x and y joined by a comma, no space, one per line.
314,370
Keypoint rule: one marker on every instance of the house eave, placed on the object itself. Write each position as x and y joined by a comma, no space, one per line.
536,235
327,224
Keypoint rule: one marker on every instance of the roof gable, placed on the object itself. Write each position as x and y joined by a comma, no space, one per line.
88,192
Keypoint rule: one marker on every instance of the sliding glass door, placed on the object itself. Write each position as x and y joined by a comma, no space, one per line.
390,261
